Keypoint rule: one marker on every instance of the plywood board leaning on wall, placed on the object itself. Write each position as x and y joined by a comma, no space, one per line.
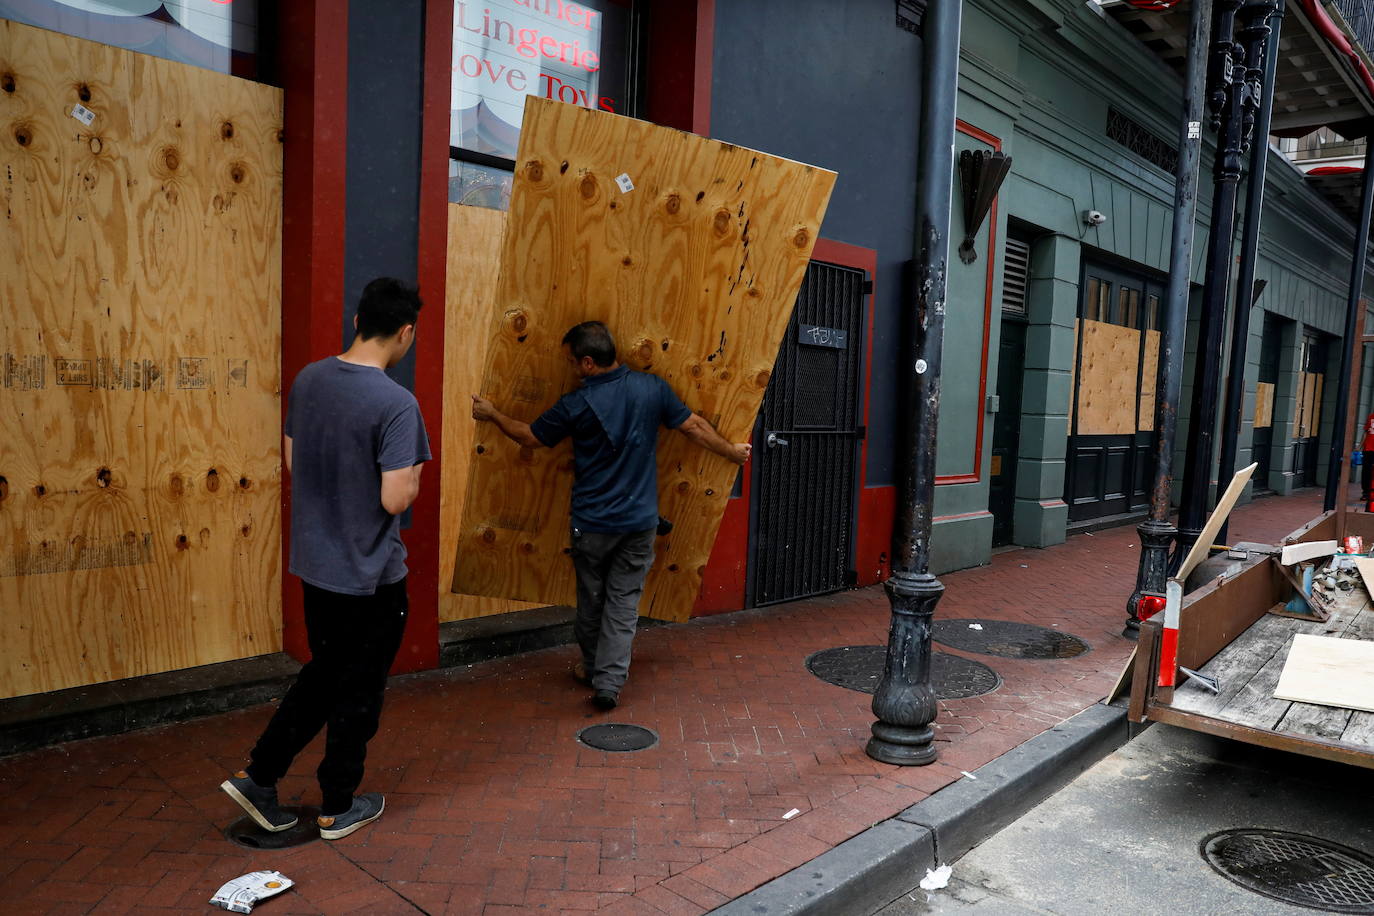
474,258
1107,367
692,252
139,392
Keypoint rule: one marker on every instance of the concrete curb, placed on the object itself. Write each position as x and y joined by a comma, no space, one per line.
887,860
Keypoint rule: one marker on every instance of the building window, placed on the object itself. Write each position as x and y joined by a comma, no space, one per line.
221,35
504,50
1015,275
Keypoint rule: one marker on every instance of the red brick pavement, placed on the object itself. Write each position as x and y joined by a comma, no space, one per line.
493,807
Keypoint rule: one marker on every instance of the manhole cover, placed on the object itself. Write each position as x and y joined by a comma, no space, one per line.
615,736
861,668
1006,639
1302,870
245,832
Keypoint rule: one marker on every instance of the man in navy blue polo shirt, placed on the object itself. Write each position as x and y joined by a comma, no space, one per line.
613,418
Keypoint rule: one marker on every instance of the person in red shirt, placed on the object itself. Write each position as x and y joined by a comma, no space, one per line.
1367,466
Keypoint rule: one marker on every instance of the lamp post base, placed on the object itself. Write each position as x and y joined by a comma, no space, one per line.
1155,539
905,702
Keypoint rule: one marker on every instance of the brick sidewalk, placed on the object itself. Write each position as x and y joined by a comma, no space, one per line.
493,807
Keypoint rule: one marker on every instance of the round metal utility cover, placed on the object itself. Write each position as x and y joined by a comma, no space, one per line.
1302,870
861,668
618,737
1006,639
245,832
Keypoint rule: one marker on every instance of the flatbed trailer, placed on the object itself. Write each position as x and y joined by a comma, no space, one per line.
1226,632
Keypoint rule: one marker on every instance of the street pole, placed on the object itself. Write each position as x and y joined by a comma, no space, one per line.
1227,91
1336,469
1157,532
1261,36
905,702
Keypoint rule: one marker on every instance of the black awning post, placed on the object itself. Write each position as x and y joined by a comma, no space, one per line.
905,702
1157,532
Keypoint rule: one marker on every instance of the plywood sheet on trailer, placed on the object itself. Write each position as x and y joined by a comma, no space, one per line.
1328,672
692,252
474,259
140,348
1108,366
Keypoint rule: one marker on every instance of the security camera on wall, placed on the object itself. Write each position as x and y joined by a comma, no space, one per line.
1094,217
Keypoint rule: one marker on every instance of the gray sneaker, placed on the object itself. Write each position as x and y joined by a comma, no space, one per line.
259,801
366,809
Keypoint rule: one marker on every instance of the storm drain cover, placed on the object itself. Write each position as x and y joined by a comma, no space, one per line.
616,736
1302,870
246,833
1006,639
861,668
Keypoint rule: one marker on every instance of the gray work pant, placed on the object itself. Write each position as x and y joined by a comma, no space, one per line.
610,578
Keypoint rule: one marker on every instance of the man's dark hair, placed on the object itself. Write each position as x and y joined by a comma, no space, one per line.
386,306
591,338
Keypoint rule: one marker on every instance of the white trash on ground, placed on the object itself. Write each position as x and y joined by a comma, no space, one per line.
937,878
239,895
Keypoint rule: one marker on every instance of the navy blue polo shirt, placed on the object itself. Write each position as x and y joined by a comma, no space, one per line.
613,419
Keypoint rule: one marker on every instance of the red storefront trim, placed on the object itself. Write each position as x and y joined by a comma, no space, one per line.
314,67
976,474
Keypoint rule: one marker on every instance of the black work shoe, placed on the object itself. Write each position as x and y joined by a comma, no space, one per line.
605,699
259,801
366,809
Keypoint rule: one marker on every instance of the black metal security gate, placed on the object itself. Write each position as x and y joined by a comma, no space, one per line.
807,444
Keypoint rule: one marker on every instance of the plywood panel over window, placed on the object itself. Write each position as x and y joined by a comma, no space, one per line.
692,251
1149,381
139,364
1264,405
1108,364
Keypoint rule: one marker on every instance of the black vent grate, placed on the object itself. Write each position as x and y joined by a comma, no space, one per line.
1142,141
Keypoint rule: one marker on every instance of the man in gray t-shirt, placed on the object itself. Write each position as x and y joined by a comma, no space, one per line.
354,445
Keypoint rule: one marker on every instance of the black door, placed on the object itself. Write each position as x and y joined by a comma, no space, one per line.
1112,424
1263,438
807,443
1006,429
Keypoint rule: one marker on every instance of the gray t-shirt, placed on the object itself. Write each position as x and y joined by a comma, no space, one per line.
347,424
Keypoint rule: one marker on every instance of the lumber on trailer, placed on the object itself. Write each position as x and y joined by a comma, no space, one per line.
1308,550
1328,672
139,364
692,252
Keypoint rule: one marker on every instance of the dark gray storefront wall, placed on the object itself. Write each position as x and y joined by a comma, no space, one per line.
837,85
385,91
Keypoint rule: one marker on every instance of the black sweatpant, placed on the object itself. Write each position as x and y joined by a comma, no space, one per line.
353,641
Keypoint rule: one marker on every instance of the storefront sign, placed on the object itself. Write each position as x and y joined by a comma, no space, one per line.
504,50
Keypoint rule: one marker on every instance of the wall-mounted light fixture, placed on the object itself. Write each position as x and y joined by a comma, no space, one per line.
981,174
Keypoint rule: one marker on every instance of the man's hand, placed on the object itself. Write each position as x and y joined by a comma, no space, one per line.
519,432
703,434
482,409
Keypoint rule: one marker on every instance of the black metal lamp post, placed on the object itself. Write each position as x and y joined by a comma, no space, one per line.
1157,532
1233,98
1262,46
905,700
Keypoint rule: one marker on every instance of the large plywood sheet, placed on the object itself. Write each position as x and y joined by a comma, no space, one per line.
474,259
1329,672
1109,363
139,364
692,252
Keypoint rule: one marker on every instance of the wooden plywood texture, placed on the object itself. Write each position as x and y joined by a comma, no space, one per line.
1329,672
139,364
1107,365
474,258
692,252
1149,380
1264,405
